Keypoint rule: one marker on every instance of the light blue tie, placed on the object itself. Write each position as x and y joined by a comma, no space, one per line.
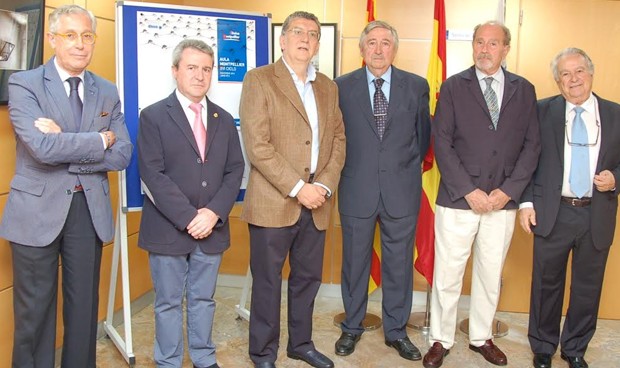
579,178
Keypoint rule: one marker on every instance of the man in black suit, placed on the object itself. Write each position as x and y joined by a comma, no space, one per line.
487,146
381,182
566,218
192,177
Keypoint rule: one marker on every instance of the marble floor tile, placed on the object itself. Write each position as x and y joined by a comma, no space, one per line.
230,333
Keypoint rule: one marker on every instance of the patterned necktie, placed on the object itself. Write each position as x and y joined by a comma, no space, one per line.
75,101
200,133
579,177
380,104
491,98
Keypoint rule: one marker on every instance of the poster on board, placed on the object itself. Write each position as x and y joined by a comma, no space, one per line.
149,33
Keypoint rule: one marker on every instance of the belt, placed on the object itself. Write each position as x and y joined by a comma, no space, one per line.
78,188
311,178
577,202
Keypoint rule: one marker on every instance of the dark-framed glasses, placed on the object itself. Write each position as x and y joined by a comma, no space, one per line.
584,144
88,38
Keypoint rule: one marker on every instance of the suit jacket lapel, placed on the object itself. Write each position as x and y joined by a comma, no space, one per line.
285,83
320,96
510,87
396,96
56,92
175,110
557,110
605,130
474,89
91,94
213,123
362,96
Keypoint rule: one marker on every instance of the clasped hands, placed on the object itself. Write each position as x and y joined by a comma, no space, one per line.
202,224
311,196
480,202
49,126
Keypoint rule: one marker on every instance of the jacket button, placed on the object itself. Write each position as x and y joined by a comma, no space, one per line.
307,170
204,184
198,160
307,142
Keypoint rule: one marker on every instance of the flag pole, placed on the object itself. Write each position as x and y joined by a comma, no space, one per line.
421,321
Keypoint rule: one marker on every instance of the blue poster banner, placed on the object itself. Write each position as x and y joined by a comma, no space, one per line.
231,50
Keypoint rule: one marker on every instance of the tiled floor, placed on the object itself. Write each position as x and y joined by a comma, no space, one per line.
231,336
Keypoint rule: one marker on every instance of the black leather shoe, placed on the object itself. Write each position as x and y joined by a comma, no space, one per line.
214,365
346,343
265,365
575,361
405,348
542,360
312,357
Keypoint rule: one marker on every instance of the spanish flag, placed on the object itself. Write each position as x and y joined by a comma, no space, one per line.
436,74
375,264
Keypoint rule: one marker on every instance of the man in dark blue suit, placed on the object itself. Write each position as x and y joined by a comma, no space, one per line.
387,123
566,218
192,178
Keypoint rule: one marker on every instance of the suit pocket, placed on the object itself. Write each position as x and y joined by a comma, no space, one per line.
106,186
473,170
31,186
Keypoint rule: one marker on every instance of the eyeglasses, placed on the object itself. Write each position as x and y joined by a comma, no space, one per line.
298,32
88,38
587,144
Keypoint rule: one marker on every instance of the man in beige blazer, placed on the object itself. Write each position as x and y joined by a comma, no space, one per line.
294,139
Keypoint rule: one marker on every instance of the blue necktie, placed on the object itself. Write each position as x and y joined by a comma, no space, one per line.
75,101
579,178
380,109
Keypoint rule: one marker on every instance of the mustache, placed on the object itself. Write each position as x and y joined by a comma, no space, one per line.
484,55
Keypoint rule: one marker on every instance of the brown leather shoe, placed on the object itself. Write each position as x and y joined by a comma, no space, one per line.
491,353
434,356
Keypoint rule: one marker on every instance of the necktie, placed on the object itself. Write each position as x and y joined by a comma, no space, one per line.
579,177
491,98
75,101
380,104
200,133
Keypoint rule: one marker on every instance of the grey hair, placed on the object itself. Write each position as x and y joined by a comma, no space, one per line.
566,52
300,14
378,24
507,36
190,44
54,17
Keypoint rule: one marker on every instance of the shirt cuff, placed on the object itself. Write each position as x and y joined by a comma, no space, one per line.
104,139
296,188
526,205
329,192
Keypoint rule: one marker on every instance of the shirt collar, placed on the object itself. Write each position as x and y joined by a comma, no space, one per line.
64,75
498,75
387,76
588,105
310,73
185,102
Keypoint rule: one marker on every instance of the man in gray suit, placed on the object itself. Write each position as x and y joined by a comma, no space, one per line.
387,123
487,145
69,132
192,177
571,210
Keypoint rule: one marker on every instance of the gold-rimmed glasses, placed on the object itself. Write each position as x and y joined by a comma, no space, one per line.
298,32
88,38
